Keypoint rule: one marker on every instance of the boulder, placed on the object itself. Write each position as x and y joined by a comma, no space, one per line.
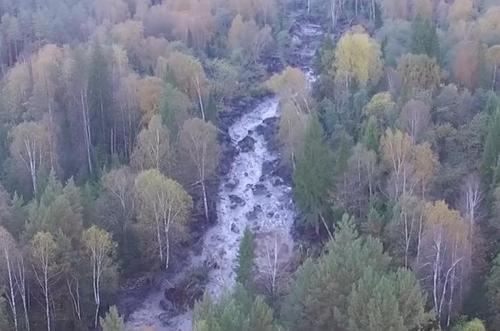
236,201
247,144
234,228
232,183
260,189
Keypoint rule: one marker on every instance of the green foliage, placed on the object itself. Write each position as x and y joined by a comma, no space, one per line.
371,134
245,259
492,145
313,176
351,287
424,39
493,288
113,321
234,311
4,319
473,325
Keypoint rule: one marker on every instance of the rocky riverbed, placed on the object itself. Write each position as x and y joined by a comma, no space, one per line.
252,193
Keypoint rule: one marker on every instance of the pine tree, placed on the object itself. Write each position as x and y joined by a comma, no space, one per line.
245,259
113,321
353,288
237,310
313,175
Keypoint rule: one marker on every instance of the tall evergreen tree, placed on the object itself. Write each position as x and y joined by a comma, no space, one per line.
100,102
313,175
424,38
234,311
491,150
245,259
4,319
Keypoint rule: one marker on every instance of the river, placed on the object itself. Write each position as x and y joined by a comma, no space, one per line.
252,195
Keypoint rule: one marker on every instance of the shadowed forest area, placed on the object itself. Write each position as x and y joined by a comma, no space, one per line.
118,136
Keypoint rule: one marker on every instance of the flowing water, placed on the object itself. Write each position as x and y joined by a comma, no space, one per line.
250,195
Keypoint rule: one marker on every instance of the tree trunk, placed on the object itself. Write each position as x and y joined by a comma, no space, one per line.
11,296
20,276
200,100
46,292
205,201
86,128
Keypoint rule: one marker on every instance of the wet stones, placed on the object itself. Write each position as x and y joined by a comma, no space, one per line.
231,184
247,144
236,201
259,189
254,213
234,228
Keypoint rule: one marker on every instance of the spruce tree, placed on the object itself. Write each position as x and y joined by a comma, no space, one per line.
424,39
491,150
4,319
113,321
245,259
313,175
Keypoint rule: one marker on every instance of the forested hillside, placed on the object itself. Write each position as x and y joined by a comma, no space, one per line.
115,140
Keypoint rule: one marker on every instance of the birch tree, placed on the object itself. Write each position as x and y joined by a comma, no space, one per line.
7,259
358,58
201,151
43,251
190,78
153,149
164,209
30,147
100,250
444,255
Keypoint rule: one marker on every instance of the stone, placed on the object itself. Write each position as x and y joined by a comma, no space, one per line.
247,144
259,189
234,228
232,183
236,201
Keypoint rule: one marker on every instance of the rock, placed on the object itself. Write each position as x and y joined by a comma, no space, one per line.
231,184
278,182
268,167
236,201
234,228
253,214
164,319
247,144
167,306
260,189
270,214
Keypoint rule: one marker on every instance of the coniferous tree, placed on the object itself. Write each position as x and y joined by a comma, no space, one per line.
493,286
113,321
424,39
245,259
313,175
237,310
4,319
491,150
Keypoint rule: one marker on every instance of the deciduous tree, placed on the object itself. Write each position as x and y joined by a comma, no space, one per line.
100,249
153,149
164,209
201,152
357,58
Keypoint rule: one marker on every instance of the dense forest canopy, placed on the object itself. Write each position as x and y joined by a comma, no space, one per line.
112,142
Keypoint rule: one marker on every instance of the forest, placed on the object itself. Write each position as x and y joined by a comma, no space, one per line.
118,121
